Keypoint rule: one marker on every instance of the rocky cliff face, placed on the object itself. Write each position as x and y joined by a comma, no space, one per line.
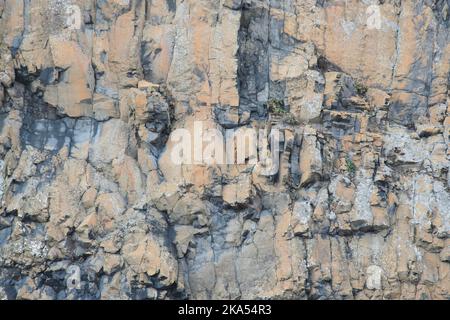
92,207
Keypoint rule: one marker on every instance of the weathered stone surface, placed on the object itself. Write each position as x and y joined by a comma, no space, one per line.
353,203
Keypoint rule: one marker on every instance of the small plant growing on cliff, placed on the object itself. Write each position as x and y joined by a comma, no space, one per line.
361,89
276,107
350,165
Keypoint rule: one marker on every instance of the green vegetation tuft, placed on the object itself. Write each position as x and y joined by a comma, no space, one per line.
276,107
351,168
361,89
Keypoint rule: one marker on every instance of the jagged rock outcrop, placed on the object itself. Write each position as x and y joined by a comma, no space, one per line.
92,205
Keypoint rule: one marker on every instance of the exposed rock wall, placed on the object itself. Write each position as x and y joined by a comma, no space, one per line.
92,207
